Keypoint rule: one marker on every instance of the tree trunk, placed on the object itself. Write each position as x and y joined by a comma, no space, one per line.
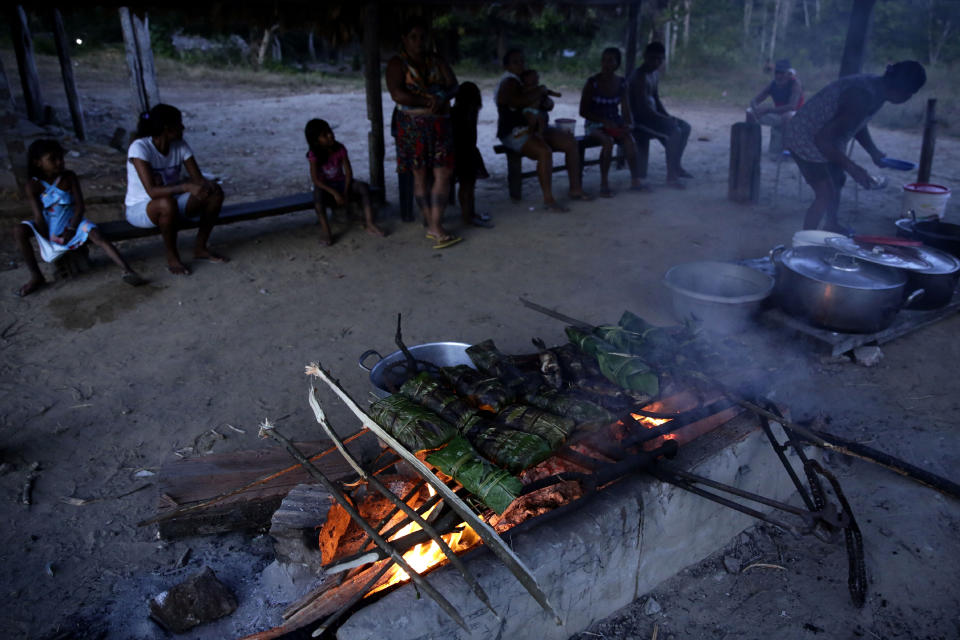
375,143
66,70
816,11
29,79
763,31
667,28
276,52
687,8
806,15
143,74
777,7
630,57
265,44
311,50
747,19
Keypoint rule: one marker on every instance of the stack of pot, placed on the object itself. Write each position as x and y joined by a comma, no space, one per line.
858,285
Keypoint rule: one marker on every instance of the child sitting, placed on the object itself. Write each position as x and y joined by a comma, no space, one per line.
332,177
58,223
537,115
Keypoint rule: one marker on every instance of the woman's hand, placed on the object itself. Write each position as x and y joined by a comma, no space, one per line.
877,157
860,174
339,198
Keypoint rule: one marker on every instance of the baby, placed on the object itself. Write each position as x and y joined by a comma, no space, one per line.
537,114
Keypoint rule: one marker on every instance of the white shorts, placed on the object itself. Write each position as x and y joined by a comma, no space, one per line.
137,213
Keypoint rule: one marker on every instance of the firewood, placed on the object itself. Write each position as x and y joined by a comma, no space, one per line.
269,431
400,504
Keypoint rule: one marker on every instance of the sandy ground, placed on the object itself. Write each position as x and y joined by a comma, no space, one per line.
102,382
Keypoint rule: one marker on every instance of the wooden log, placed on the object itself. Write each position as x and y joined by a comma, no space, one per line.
745,153
66,70
193,480
7,105
27,67
371,72
929,140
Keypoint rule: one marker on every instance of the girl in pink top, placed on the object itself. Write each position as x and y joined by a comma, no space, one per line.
332,177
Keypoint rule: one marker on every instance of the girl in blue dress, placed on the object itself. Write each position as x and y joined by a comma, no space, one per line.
58,224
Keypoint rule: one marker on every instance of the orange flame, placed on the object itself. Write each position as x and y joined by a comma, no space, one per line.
649,423
428,554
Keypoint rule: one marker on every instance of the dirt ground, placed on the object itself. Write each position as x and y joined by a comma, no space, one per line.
102,383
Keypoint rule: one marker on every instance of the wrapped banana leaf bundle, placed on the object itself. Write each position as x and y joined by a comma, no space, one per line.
508,448
428,392
414,426
579,409
552,428
490,360
627,370
495,487
483,390
576,366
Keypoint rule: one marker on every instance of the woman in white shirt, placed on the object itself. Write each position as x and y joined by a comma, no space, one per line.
164,183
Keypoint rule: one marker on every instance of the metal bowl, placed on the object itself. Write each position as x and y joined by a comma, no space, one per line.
722,296
441,354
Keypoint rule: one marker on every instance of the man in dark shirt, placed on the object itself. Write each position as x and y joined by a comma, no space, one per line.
786,93
650,118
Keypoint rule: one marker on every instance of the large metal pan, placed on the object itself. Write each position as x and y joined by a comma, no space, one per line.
940,235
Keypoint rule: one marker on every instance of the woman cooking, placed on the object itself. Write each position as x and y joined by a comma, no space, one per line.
422,84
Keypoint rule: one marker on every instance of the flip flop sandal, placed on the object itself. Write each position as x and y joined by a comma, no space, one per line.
479,221
606,193
556,207
585,197
641,187
449,242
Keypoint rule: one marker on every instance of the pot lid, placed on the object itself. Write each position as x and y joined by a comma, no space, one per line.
918,259
831,266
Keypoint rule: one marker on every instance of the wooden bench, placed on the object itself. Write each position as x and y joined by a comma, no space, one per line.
238,212
515,173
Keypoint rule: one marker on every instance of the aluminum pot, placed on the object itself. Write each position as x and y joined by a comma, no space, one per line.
442,354
722,296
835,291
935,272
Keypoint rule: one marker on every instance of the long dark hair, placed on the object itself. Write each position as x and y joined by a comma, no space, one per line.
314,129
38,149
153,122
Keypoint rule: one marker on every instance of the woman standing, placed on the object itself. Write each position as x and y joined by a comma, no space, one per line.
422,84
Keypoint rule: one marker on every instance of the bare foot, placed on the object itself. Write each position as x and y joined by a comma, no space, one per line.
133,278
581,195
326,238
31,286
209,256
178,269
374,230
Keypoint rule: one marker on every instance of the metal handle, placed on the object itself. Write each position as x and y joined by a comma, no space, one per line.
776,251
918,293
366,354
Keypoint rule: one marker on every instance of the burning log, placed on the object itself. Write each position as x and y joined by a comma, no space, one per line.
268,431
434,535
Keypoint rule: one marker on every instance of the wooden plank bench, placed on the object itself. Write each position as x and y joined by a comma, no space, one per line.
236,212
516,174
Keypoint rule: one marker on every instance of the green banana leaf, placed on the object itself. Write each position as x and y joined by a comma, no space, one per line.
490,360
427,392
580,410
415,427
495,487
552,428
627,370
510,449
483,390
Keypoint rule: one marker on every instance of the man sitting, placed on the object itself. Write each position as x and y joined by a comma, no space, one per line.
786,93
651,119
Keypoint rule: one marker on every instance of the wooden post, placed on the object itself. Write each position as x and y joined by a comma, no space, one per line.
29,80
371,48
66,70
929,138
630,55
143,74
7,105
745,152
852,61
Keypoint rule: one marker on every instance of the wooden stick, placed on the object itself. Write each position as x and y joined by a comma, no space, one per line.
267,430
397,502
179,511
494,542
354,599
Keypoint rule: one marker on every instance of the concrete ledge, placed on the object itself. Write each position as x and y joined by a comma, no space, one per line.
596,559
